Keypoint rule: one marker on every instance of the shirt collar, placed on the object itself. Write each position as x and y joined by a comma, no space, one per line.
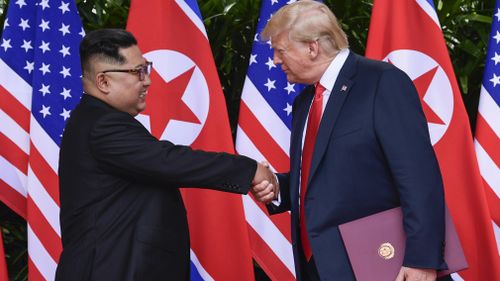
332,72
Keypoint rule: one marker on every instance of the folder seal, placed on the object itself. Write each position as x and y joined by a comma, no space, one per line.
386,251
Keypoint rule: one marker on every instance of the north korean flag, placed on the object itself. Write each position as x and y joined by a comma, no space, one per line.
407,34
186,106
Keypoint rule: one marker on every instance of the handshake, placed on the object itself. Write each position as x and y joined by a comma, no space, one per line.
265,187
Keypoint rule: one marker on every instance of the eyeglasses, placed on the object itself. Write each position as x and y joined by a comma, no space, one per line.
141,71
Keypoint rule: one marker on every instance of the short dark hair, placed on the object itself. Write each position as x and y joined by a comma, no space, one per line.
105,44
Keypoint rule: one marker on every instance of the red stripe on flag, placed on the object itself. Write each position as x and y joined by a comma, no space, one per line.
265,257
12,153
13,199
261,138
33,272
488,139
493,203
48,178
14,109
44,231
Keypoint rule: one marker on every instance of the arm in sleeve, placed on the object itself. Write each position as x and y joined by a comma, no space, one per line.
123,146
402,132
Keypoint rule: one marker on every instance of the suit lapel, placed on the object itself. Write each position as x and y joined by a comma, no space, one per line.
337,98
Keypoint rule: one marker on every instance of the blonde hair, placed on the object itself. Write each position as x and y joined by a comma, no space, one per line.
308,21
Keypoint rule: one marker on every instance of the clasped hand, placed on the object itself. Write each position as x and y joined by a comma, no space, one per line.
264,188
416,274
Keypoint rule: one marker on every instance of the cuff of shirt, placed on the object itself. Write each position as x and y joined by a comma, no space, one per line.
277,201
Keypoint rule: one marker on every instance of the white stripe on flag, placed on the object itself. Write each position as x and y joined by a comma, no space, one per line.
429,10
496,231
43,201
490,111
268,231
203,273
11,129
15,85
44,144
244,146
13,177
489,170
266,115
456,277
40,257
192,16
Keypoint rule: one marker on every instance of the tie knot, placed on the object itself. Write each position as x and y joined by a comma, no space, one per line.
319,90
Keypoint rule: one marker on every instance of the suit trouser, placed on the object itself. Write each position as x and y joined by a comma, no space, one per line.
309,272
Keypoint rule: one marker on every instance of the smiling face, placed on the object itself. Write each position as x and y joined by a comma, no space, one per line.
125,91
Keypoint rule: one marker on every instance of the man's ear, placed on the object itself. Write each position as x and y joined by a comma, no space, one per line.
313,48
102,83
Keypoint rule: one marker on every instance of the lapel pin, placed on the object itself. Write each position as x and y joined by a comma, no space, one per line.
344,88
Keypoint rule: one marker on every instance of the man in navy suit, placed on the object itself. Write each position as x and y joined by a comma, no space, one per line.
359,145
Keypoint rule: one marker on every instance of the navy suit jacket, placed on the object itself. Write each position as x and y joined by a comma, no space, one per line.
372,153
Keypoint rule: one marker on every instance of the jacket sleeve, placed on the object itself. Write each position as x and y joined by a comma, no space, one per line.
121,145
402,132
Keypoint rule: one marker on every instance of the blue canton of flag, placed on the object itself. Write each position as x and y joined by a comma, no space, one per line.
40,43
492,66
269,79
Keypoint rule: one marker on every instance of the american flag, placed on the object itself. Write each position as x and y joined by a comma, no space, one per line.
487,137
39,86
263,133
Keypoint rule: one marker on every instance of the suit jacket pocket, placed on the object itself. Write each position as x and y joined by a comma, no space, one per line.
343,133
163,239
161,252
76,265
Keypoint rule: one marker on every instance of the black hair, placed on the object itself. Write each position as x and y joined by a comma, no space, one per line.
105,44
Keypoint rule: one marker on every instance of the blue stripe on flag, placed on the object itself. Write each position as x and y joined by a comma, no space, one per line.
194,6
195,275
431,2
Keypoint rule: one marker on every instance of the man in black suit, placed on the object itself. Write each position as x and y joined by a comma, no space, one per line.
359,145
122,215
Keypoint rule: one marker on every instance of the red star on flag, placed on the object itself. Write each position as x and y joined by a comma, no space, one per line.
422,84
164,101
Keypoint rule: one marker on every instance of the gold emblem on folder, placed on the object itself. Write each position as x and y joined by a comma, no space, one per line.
386,251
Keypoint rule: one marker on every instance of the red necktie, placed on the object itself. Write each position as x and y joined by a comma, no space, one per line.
307,152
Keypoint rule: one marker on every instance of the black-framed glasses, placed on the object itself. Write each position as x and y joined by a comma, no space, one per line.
141,71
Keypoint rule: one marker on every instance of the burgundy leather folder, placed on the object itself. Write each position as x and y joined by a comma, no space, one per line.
376,246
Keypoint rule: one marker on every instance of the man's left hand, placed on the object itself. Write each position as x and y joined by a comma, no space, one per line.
416,274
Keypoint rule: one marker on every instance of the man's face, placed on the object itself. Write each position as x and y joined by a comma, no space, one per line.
127,92
293,57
